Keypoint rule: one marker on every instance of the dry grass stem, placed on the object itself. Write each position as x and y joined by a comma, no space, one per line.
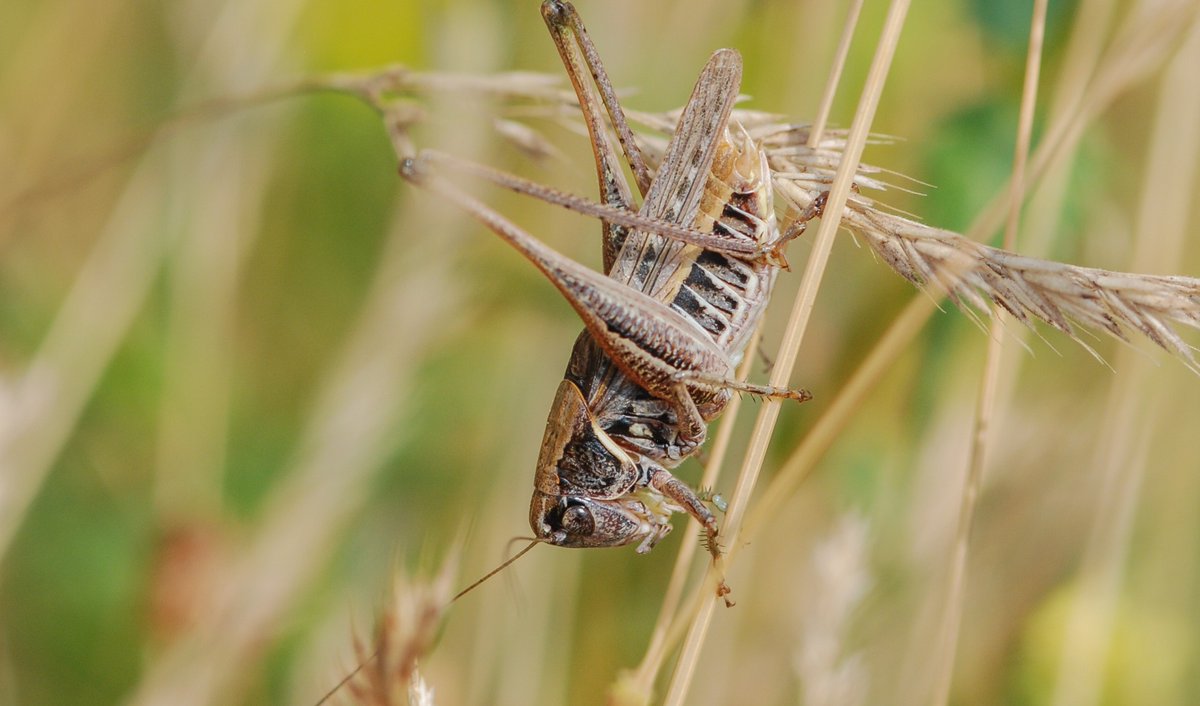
349,432
835,74
637,687
888,233
1131,418
830,426
945,649
1043,215
206,264
45,401
112,288
1139,49
805,298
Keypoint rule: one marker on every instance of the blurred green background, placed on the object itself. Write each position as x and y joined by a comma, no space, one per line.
247,374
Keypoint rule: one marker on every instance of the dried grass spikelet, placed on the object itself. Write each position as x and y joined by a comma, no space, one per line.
1029,288
969,273
387,673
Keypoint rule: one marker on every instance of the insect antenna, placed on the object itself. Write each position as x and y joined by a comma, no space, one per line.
346,679
504,565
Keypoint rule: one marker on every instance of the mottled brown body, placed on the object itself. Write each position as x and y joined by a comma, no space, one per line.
610,440
667,320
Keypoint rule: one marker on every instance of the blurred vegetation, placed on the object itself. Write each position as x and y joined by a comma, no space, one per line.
251,256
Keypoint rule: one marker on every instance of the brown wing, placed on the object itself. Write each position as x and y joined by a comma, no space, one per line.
652,263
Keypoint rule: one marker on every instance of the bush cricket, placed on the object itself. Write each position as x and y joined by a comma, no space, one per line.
687,276
665,322
686,279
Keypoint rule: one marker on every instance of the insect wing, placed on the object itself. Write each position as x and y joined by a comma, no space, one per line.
649,262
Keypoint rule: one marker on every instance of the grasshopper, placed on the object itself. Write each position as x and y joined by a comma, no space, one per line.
687,277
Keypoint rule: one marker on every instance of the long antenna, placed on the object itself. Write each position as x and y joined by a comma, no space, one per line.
496,570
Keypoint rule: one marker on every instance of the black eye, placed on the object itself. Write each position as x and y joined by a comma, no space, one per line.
577,520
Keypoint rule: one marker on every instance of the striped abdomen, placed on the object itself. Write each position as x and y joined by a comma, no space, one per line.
723,293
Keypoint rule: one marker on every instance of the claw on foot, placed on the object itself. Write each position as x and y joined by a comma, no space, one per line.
723,591
772,254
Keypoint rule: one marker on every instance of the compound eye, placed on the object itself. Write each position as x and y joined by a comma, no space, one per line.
577,520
